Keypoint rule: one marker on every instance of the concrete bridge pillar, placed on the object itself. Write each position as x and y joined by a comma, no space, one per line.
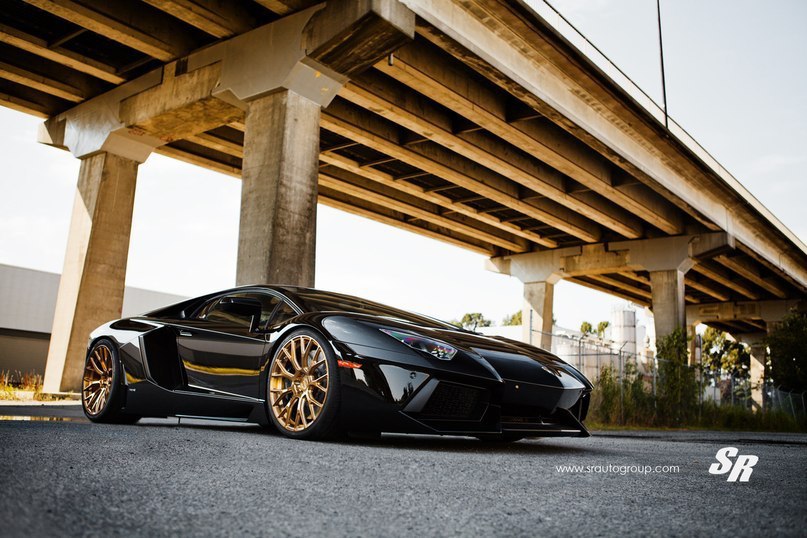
667,290
276,78
277,237
759,355
92,283
313,55
770,312
667,260
536,315
539,271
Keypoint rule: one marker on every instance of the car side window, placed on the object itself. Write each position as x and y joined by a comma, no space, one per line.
284,311
214,311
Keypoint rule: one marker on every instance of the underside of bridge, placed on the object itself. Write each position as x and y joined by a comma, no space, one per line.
473,122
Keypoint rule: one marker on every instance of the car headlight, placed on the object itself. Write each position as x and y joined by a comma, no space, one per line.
435,348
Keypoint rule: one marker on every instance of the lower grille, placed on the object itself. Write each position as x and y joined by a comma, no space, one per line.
452,402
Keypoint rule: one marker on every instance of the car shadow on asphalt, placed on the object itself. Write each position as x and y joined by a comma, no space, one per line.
420,443
532,446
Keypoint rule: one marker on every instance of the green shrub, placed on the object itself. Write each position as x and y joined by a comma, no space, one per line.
630,401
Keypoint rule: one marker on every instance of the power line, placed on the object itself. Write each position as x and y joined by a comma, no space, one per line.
661,54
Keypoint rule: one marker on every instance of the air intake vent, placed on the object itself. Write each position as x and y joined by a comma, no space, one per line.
454,402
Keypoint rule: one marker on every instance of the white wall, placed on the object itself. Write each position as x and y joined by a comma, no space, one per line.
28,299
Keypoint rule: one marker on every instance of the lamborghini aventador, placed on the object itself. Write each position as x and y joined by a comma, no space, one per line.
315,364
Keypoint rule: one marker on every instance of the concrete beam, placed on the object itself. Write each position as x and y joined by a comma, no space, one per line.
646,281
379,214
284,7
620,285
204,161
159,38
745,270
441,200
707,289
210,87
219,143
38,108
206,89
727,280
418,115
581,281
666,259
420,211
768,311
423,69
351,35
545,73
92,282
219,19
661,254
357,126
40,82
60,55
180,106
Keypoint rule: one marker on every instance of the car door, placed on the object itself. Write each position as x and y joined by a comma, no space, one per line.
220,350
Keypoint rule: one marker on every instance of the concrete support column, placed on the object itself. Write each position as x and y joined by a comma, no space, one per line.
277,236
695,344
669,313
92,283
537,313
759,354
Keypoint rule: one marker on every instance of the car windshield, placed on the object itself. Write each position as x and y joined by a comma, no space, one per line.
325,301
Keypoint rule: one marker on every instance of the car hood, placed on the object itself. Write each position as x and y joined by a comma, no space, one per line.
510,359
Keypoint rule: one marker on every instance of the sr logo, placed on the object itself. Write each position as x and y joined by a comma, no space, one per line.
741,468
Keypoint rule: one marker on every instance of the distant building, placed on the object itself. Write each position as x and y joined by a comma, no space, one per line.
27,305
623,329
513,332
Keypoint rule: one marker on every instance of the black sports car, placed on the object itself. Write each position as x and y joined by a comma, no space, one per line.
315,364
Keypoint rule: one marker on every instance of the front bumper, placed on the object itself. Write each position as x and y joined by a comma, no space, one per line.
393,397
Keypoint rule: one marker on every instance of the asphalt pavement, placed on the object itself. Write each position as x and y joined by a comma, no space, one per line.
61,475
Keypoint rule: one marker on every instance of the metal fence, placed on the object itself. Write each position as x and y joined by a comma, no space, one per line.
590,354
792,403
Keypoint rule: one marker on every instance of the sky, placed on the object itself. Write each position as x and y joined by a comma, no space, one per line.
735,81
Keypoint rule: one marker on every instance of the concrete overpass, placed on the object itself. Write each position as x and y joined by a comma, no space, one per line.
485,124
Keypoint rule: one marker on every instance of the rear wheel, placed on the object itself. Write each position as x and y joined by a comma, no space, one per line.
101,390
303,391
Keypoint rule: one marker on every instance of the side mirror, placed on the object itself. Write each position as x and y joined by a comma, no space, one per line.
243,306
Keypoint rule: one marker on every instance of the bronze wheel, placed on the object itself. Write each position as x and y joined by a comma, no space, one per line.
299,383
102,387
97,383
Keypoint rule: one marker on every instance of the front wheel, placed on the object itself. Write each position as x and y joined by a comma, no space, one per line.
101,388
303,390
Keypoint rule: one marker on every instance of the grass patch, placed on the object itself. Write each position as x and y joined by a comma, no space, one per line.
628,404
17,385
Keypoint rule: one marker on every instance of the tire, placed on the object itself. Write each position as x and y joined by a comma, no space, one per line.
102,387
298,404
